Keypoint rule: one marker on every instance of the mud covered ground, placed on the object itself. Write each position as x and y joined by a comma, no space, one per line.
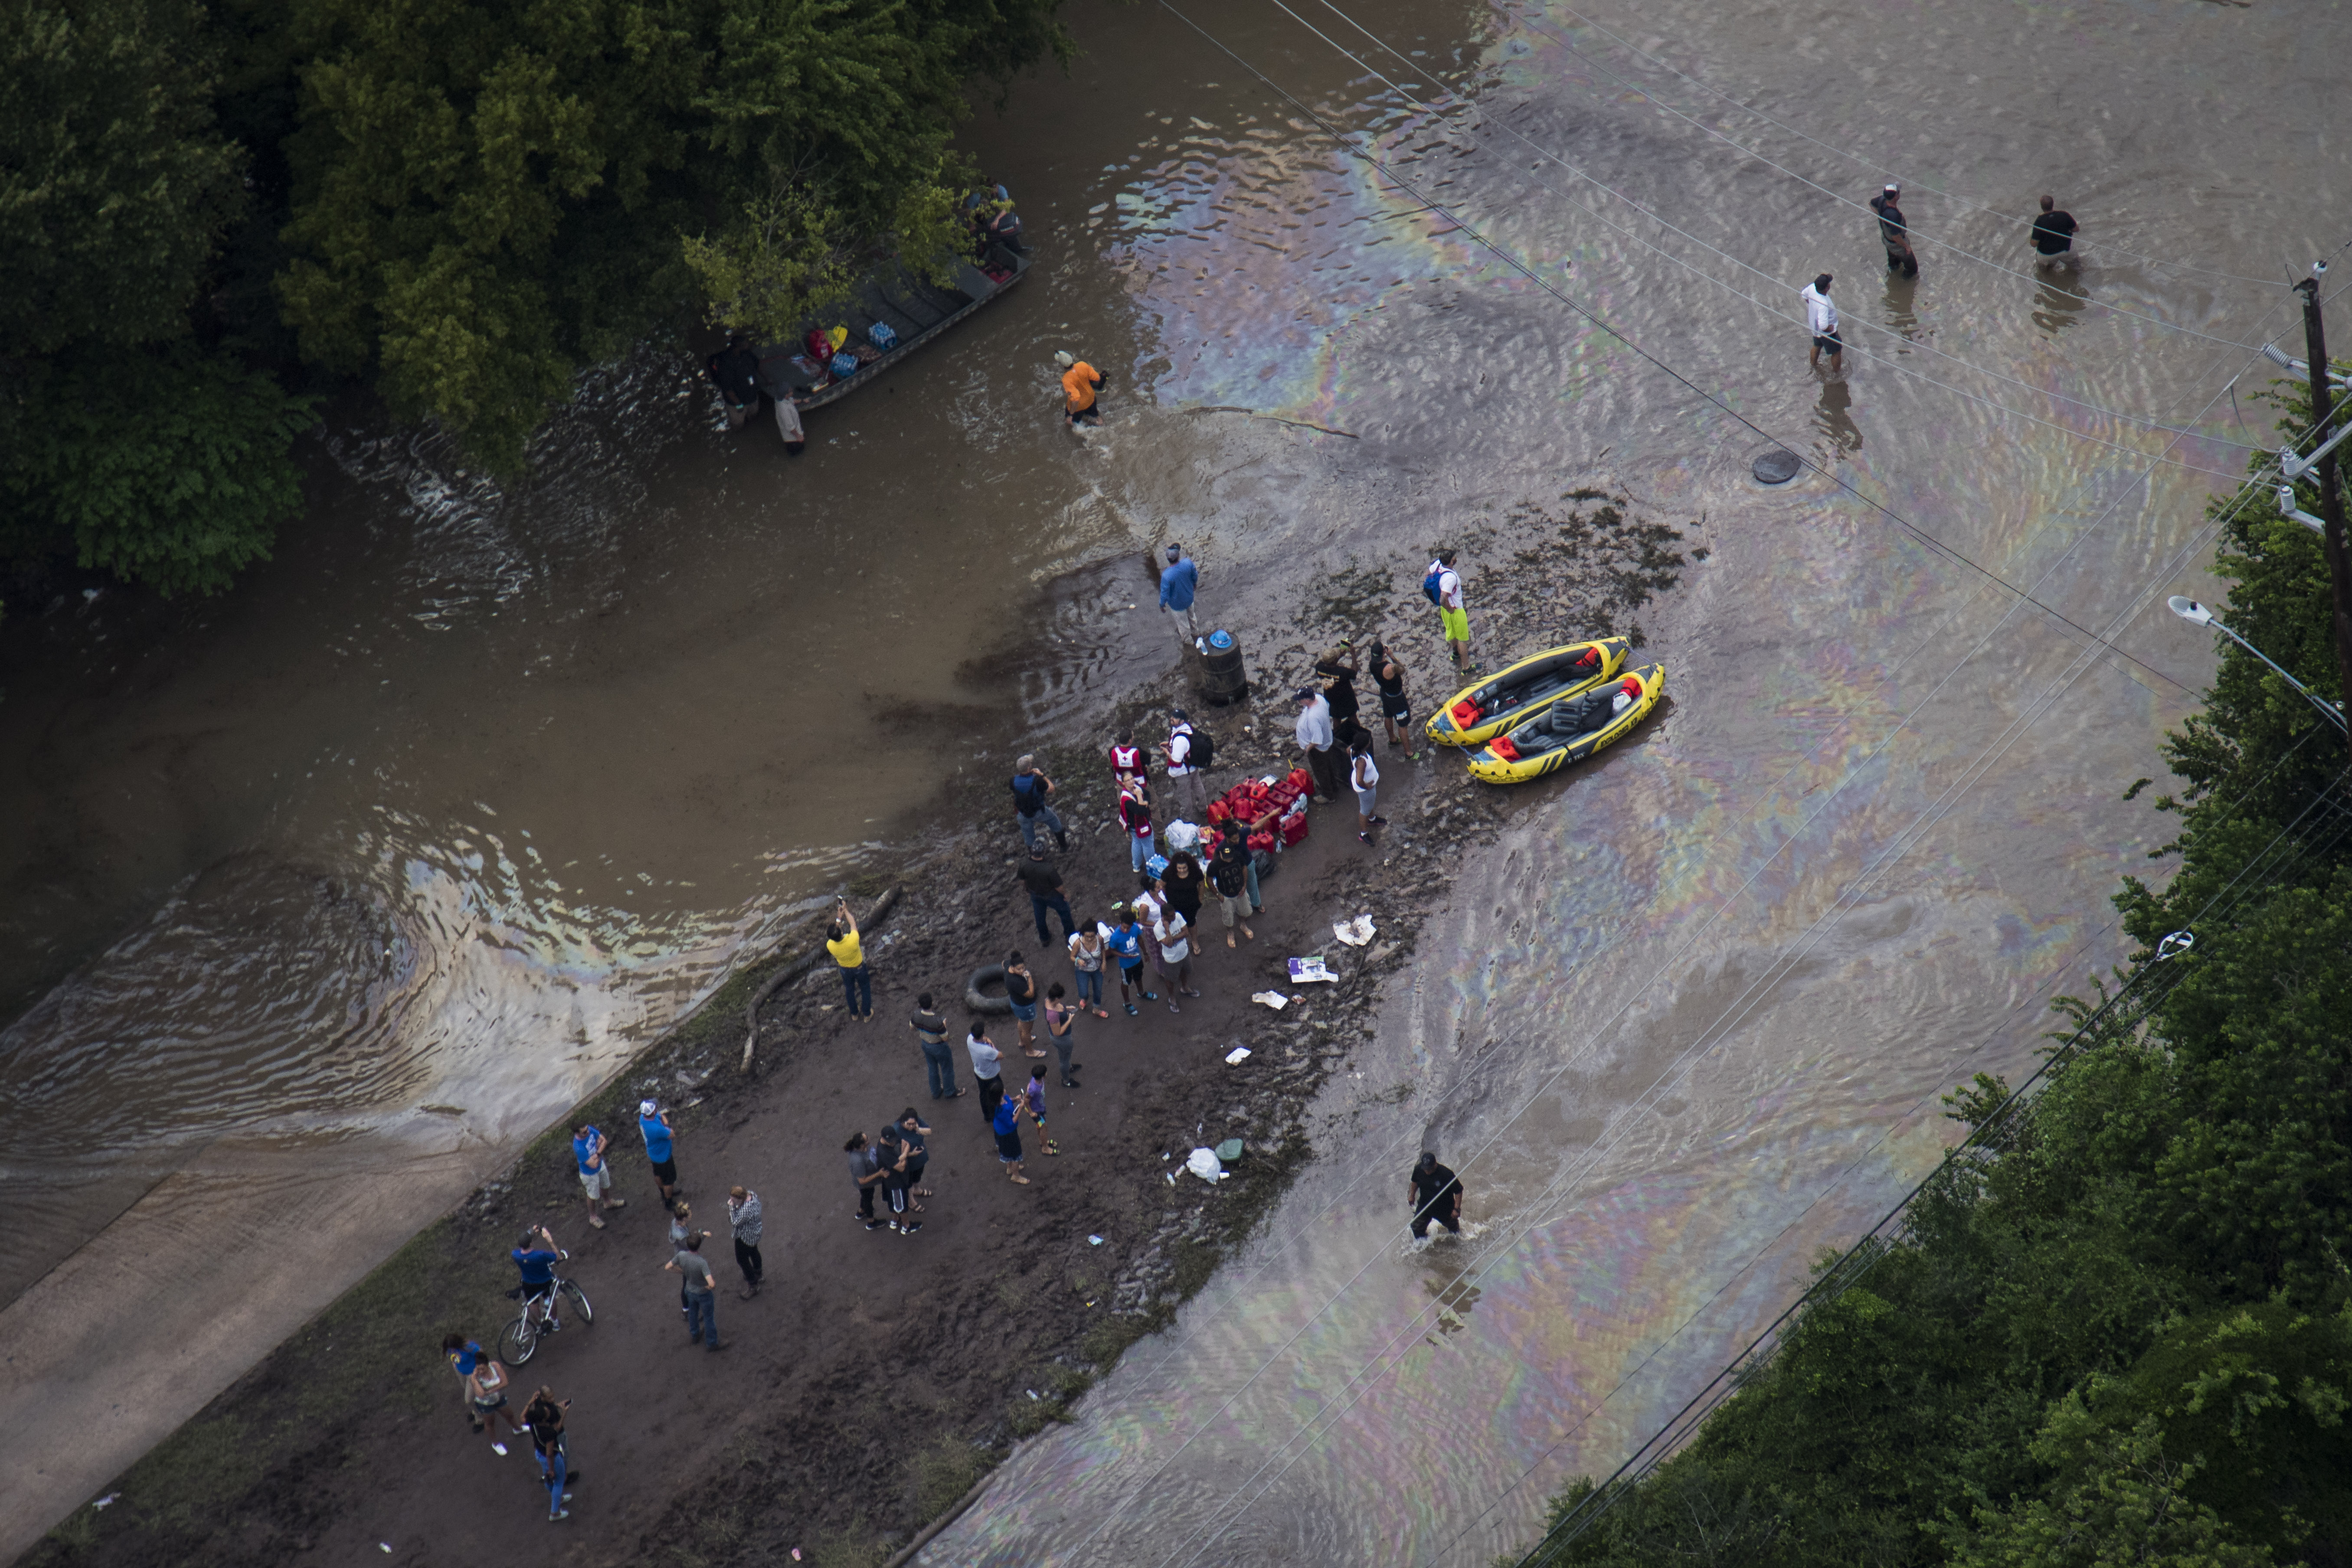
877,1377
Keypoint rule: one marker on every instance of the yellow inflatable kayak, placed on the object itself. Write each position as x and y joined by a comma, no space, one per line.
1571,730
1511,695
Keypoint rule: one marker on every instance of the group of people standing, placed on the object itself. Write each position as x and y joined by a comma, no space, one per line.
2051,235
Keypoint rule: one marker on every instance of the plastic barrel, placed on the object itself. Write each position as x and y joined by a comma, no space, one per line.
1226,682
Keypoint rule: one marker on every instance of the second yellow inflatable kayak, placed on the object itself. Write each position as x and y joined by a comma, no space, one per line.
1570,732
1475,714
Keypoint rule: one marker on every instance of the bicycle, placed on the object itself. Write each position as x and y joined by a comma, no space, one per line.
519,1341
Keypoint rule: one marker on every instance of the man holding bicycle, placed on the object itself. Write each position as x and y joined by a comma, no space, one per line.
537,1267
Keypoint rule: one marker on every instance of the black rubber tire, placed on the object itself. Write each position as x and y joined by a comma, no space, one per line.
579,1307
514,1347
979,1001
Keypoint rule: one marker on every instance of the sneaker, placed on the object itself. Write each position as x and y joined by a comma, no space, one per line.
1130,1008
874,1224
894,1224
1151,997
1363,838
912,1229
1379,822
559,1513
498,1448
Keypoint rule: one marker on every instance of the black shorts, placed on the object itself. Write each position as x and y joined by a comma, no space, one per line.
665,1173
1091,410
1828,344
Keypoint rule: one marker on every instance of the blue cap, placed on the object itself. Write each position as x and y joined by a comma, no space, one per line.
1221,639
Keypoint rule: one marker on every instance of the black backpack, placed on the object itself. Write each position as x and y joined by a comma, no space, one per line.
1205,748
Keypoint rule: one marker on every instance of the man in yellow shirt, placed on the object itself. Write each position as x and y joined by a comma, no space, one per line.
849,954
1080,382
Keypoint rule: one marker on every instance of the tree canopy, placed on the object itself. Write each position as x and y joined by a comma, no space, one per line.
206,212
2119,1332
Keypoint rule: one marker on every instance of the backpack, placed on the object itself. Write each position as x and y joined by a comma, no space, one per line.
1028,797
1204,750
1428,586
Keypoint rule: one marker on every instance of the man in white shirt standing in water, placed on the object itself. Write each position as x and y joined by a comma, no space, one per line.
1821,320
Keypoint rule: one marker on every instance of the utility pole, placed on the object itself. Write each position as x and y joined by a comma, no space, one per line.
2331,500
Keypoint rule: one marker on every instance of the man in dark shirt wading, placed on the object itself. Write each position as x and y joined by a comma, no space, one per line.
1436,1196
1894,232
2053,234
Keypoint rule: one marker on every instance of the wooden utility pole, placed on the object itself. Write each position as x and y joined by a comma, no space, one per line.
2331,499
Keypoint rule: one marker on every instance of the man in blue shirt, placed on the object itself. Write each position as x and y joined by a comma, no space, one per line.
596,1173
1178,582
537,1265
653,1125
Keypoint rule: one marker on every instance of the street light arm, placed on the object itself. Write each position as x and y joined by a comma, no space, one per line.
2313,697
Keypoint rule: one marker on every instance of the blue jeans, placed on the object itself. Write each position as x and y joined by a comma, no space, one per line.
1139,850
1029,824
1089,986
1257,903
559,1471
858,990
940,1065
1060,905
702,1316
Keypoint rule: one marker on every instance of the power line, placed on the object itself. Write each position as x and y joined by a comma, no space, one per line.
1512,260
1877,359
1827,146
2244,793
1843,1275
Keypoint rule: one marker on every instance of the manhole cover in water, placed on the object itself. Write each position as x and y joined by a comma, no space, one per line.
1778,466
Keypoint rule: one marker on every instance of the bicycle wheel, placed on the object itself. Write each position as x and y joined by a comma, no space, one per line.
586,1313
519,1341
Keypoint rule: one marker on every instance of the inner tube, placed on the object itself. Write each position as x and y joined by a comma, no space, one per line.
981,1003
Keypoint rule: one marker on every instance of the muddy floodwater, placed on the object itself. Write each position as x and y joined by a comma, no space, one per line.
322,896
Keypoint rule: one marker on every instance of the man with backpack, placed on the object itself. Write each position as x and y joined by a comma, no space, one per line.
1190,753
1442,584
1031,791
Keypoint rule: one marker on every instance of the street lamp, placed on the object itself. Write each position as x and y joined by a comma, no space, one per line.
2196,614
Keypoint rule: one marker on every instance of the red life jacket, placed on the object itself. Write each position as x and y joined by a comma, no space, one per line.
1504,749
1126,759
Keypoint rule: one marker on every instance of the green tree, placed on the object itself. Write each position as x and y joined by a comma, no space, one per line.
168,469
114,182
487,196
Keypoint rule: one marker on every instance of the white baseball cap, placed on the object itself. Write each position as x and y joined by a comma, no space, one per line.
648,1108
1063,357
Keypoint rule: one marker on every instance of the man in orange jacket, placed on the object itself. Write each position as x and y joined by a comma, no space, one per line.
1080,382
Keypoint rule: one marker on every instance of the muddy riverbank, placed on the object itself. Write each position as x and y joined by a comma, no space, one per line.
877,1376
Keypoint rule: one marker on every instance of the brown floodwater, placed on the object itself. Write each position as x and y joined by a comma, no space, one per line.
325,894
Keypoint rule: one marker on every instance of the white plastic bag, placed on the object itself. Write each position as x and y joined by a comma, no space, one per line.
1205,1163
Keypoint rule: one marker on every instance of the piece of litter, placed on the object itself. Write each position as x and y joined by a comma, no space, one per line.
1171,1176
385,1544
1355,932
106,1501
1273,999
1268,781
1237,1056
1306,970
1032,1393
1094,1241
1205,1163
